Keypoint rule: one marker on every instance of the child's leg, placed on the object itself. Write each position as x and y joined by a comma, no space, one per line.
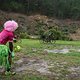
10,61
10,54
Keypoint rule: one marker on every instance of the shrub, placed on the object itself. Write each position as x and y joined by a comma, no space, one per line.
53,34
24,35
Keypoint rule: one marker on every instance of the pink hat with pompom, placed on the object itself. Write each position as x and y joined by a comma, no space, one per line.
10,25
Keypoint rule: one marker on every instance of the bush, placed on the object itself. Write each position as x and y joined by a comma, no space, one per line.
24,35
53,34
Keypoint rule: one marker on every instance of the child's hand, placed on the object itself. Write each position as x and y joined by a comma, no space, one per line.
14,40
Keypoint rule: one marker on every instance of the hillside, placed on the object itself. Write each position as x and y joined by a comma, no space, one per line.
28,23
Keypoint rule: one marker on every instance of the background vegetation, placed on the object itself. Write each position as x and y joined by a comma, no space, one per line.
57,8
39,16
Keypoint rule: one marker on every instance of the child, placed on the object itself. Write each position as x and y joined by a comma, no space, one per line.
7,35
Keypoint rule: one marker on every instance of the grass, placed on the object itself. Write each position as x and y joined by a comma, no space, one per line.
23,77
35,49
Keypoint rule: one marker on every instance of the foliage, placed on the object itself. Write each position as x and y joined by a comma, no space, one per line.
49,33
52,34
24,35
67,29
57,8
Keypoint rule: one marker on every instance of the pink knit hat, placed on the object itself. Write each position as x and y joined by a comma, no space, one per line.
10,25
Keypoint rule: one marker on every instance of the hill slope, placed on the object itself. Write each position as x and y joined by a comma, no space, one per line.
28,23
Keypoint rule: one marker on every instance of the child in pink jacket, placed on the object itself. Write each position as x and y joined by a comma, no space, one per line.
7,35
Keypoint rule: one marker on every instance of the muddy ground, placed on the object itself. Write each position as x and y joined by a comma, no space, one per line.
57,70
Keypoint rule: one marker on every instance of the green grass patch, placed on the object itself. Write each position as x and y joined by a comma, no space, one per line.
35,49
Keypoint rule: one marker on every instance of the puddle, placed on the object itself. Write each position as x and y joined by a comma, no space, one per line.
64,51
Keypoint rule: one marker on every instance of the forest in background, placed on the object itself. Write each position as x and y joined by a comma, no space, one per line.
36,16
54,8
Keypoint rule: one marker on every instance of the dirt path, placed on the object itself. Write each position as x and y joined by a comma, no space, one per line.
43,67
25,64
